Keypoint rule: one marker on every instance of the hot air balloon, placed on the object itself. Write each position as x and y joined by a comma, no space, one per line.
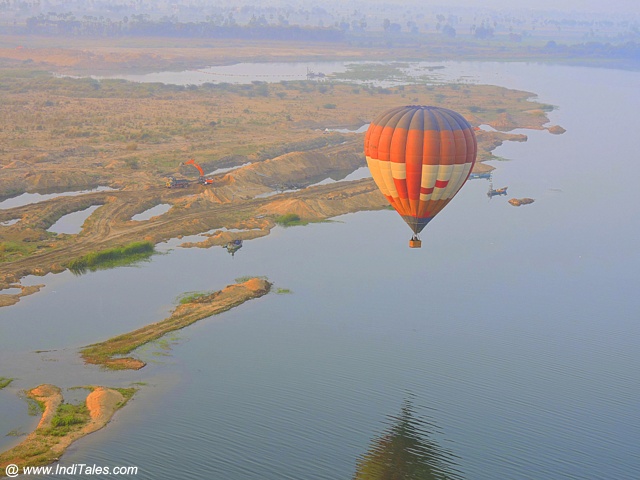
419,157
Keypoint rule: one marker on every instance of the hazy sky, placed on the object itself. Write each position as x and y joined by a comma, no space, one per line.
613,6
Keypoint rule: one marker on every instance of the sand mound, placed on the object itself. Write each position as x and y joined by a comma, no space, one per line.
516,202
102,403
51,396
257,285
556,130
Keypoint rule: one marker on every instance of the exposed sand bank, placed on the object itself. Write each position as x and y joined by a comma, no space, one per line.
516,202
107,353
13,298
49,441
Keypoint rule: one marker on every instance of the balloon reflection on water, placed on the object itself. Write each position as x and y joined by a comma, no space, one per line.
406,451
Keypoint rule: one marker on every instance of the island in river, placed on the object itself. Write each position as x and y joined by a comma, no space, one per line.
62,423
191,309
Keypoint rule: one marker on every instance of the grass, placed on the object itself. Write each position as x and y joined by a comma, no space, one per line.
112,257
290,220
246,278
283,291
34,407
10,251
4,382
190,297
127,393
374,72
68,417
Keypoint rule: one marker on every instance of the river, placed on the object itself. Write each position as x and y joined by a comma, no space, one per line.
506,348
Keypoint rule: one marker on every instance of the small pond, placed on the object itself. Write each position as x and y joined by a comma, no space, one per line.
29,198
152,212
72,223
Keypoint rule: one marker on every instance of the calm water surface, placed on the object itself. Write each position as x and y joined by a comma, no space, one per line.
72,222
152,212
506,348
29,198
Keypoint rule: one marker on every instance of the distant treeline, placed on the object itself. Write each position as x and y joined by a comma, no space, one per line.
629,50
66,24
94,27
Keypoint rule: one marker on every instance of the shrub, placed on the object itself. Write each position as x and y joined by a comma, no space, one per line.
190,297
246,278
289,220
132,163
112,257
68,415
4,382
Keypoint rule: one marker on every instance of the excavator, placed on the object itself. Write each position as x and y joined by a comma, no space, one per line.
203,180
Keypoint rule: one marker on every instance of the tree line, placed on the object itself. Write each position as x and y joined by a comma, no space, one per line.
139,25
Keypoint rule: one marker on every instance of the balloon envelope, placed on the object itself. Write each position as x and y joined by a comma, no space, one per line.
420,156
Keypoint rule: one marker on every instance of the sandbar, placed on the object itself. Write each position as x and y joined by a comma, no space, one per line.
108,353
49,440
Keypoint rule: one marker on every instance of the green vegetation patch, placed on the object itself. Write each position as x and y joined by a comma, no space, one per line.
112,257
190,297
10,251
375,72
127,393
34,407
290,220
68,417
246,278
4,382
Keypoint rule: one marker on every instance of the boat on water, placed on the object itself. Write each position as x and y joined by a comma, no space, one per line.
498,191
479,175
233,246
